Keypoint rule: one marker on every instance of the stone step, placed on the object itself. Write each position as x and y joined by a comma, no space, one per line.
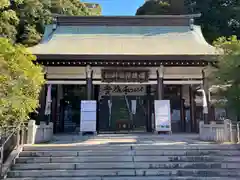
188,147
74,147
128,159
75,153
188,152
74,159
127,178
126,172
129,152
125,165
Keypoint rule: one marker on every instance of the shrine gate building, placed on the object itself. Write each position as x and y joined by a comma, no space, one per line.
125,63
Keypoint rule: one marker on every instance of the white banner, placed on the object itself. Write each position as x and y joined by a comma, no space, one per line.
134,106
162,115
88,116
48,100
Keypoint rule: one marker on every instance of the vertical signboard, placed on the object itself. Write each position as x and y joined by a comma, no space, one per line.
162,115
88,116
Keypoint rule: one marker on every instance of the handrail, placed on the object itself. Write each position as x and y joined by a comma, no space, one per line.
15,130
13,140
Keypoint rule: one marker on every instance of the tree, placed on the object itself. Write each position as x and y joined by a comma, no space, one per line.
23,21
20,83
226,76
8,20
154,8
35,14
219,17
162,7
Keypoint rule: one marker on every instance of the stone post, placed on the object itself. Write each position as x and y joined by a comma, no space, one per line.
201,123
32,130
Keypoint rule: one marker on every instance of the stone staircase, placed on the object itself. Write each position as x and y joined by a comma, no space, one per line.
127,162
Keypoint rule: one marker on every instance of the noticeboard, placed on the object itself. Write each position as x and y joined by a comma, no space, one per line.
88,116
162,115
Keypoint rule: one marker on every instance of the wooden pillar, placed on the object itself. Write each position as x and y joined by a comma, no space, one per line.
182,110
59,114
212,112
149,109
54,107
193,120
160,85
96,97
42,103
89,74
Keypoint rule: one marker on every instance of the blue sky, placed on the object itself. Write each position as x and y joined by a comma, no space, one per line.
118,7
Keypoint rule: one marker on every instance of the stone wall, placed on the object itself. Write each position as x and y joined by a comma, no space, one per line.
39,133
225,132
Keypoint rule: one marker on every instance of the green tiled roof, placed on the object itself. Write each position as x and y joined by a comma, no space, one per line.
162,40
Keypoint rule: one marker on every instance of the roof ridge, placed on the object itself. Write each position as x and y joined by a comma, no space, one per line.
161,20
131,17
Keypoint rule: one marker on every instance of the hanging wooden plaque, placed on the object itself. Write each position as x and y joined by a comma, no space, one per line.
114,75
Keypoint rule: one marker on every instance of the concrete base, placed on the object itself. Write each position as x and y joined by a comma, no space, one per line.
39,133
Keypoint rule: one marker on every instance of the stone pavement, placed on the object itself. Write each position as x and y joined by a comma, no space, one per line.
128,139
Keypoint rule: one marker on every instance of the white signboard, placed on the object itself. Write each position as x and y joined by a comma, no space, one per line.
88,116
88,105
162,115
88,126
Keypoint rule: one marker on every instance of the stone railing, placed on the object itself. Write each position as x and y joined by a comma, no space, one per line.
224,132
39,133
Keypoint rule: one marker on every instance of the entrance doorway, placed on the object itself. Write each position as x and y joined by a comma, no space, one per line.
69,109
173,93
123,108
122,113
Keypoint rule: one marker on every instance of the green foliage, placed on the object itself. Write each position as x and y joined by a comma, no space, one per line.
20,83
154,8
8,22
219,17
23,21
227,74
4,4
30,35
